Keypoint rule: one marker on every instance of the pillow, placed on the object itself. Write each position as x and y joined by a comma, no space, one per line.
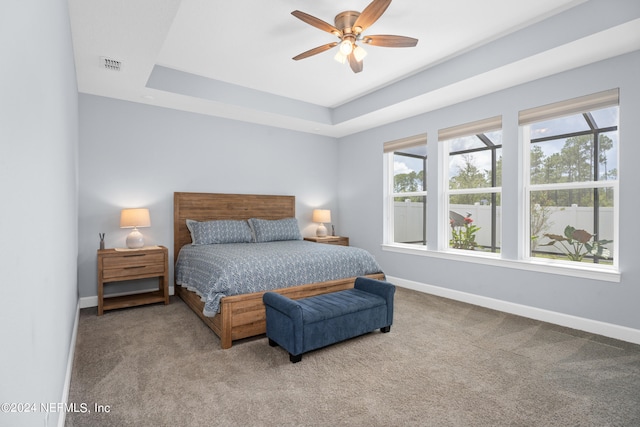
271,230
219,231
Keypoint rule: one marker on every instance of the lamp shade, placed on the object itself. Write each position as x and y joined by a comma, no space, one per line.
132,218
346,47
359,53
321,215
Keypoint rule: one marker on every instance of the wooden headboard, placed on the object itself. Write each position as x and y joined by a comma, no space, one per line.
210,206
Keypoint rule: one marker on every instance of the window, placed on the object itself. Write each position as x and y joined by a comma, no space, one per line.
572,179
563,206
406,202
472,195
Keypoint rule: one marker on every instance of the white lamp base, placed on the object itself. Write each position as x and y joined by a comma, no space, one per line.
135,240
321,231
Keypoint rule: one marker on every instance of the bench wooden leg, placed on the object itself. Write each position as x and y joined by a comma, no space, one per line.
272,343
385,329
295,359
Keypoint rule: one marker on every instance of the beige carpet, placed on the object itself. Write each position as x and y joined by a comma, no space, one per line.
444,363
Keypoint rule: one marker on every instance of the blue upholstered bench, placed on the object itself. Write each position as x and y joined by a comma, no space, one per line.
307,324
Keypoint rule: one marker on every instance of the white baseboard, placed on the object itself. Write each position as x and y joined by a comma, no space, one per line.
593,326
67,378
92,301
86,302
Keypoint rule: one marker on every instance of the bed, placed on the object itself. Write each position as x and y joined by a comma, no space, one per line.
243,315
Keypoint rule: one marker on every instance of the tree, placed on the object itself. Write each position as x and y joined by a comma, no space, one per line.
409,182
498,172
604,145
537,161
577,158
553,170
469,176
575,162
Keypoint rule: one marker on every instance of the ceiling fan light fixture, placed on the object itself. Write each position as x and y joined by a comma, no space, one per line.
359,53
346,47
340,57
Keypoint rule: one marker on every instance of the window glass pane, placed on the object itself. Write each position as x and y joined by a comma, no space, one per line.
474,170
465,143
416,151
474,222
409,220
408,173
572,158
498,182
605,220
482,199
608,156
475,162
559,126
606,117
590,210
562,160
495,137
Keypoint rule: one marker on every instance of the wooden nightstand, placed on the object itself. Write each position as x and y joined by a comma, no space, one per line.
117,266
330,240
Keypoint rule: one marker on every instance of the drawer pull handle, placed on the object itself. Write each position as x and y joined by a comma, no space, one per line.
129,256
134,266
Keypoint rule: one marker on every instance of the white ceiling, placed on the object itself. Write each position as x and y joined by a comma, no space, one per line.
243,49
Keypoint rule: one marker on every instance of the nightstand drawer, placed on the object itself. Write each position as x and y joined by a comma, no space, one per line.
133,260
133,270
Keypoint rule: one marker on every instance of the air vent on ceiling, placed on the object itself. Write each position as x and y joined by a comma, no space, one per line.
110,64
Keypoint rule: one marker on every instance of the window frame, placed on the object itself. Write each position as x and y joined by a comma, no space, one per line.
581,105
476,128
389,149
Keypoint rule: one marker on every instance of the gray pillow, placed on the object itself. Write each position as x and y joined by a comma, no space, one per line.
271,230
219,231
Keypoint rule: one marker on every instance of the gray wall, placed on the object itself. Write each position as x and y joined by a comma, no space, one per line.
135,155
138,155
361,198
38,219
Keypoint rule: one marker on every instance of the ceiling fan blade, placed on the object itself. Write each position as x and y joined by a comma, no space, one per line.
315,51
318,23
355,65
390,41
370,14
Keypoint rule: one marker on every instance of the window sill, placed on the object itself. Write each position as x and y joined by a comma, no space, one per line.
604,273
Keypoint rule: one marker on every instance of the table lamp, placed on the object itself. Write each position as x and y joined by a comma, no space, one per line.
321,216
134,218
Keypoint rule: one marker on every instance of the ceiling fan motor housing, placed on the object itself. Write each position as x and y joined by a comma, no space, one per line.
344,22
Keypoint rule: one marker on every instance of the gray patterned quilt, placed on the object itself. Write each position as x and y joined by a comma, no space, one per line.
216,271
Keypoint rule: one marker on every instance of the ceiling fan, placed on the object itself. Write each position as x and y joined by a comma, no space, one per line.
349,26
